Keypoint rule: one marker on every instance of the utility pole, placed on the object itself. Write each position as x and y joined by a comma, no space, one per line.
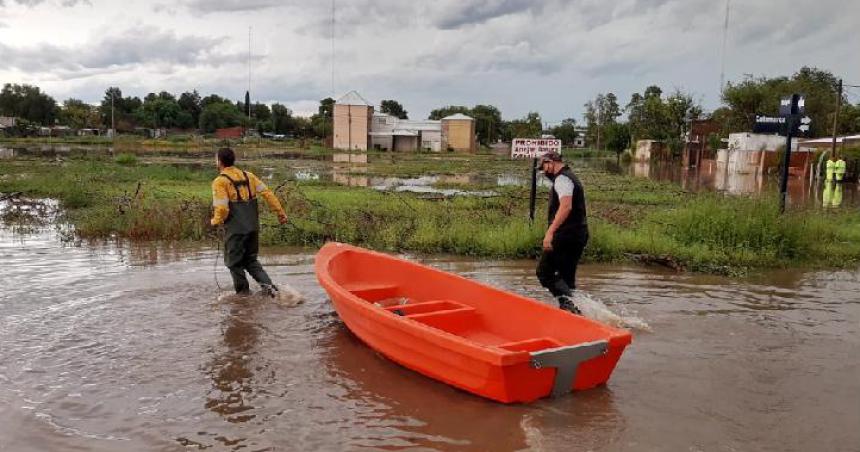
112,123
598,128
836,117
248,100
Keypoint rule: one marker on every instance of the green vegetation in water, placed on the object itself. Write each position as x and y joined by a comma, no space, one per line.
629,218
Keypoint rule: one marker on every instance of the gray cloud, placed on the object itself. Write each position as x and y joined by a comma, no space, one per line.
231,6
31,3
461,13
132,47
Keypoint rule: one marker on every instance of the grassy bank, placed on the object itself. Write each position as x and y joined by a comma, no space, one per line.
631,219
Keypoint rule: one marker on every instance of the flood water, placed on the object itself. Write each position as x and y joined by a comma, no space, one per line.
126,347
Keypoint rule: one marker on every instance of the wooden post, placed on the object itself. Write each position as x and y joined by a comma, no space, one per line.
533,193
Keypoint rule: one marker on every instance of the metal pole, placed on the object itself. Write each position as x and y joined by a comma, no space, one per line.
533,193
836,117
112,123
783,183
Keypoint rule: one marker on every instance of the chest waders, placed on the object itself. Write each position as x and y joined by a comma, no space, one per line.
244,216
242,243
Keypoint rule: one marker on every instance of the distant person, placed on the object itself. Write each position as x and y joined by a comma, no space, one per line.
830,168
839,169
567,233
234,196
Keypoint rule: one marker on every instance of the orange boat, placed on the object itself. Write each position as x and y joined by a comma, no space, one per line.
472,336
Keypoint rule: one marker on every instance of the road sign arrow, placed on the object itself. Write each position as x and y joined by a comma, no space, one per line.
804,128
806,120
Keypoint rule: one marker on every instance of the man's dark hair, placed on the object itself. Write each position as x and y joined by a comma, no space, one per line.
226,156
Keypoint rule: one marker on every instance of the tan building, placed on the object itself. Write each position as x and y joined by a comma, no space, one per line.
358,128
352,117
458,133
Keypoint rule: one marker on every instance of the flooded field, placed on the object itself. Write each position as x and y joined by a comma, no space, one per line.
110,346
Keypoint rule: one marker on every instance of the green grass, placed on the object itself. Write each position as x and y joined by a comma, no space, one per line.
630,218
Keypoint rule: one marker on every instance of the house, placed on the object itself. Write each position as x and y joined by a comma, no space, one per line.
758,153
647,150
8,121
390,133
579,139
229,132
358,127
696,146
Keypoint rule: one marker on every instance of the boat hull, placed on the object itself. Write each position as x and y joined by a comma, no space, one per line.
455,341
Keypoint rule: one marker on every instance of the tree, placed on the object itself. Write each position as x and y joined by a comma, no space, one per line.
617,137
488,123
219,115
124,109
566,131
78,115
28,102
191,103
321,124
282,119
528,127
393,108
760,96
599,112
442,112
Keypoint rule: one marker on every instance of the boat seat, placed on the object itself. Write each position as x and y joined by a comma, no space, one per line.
372,292
455,319
426,307
531,345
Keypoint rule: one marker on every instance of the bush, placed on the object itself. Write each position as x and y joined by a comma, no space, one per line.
126,159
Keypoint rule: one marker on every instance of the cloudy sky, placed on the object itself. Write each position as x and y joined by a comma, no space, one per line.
548,56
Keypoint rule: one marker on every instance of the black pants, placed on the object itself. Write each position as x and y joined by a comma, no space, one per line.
557,268
240,255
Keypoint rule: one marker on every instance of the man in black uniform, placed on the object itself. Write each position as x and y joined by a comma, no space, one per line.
567,233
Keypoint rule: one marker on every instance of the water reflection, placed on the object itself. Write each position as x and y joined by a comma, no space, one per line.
831,196
231,367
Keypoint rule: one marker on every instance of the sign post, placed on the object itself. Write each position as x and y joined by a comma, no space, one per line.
533,148
788,123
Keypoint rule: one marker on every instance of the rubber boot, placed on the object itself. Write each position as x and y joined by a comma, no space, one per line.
566,303
269,290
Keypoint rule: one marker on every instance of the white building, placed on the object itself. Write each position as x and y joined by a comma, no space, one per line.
390,133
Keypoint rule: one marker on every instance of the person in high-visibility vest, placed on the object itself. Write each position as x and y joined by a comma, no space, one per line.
839,169
831,168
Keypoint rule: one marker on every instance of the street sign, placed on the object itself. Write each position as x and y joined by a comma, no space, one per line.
534,147
804,125
792,105
776,124
769,124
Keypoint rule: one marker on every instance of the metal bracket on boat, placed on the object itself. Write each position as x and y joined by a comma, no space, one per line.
566,360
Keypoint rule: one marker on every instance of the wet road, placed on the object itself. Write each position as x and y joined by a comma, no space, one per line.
109,347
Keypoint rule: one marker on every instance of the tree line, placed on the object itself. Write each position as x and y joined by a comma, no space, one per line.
650,114
187,111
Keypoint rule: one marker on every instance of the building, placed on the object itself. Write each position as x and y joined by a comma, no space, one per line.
757,153
696,146
8,121
390,133
458,133
648,150
579,139
357,127
229,132
352,123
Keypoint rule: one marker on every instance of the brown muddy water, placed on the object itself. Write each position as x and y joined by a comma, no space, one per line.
112,347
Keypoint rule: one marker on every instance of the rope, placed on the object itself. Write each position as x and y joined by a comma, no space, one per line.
220,241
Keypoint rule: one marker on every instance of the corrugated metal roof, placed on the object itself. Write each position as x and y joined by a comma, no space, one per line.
459,116
830,139
352,98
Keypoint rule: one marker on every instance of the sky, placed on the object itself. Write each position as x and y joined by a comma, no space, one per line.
549,56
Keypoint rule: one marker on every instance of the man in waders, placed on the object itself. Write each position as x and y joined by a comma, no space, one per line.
234,196
567,233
